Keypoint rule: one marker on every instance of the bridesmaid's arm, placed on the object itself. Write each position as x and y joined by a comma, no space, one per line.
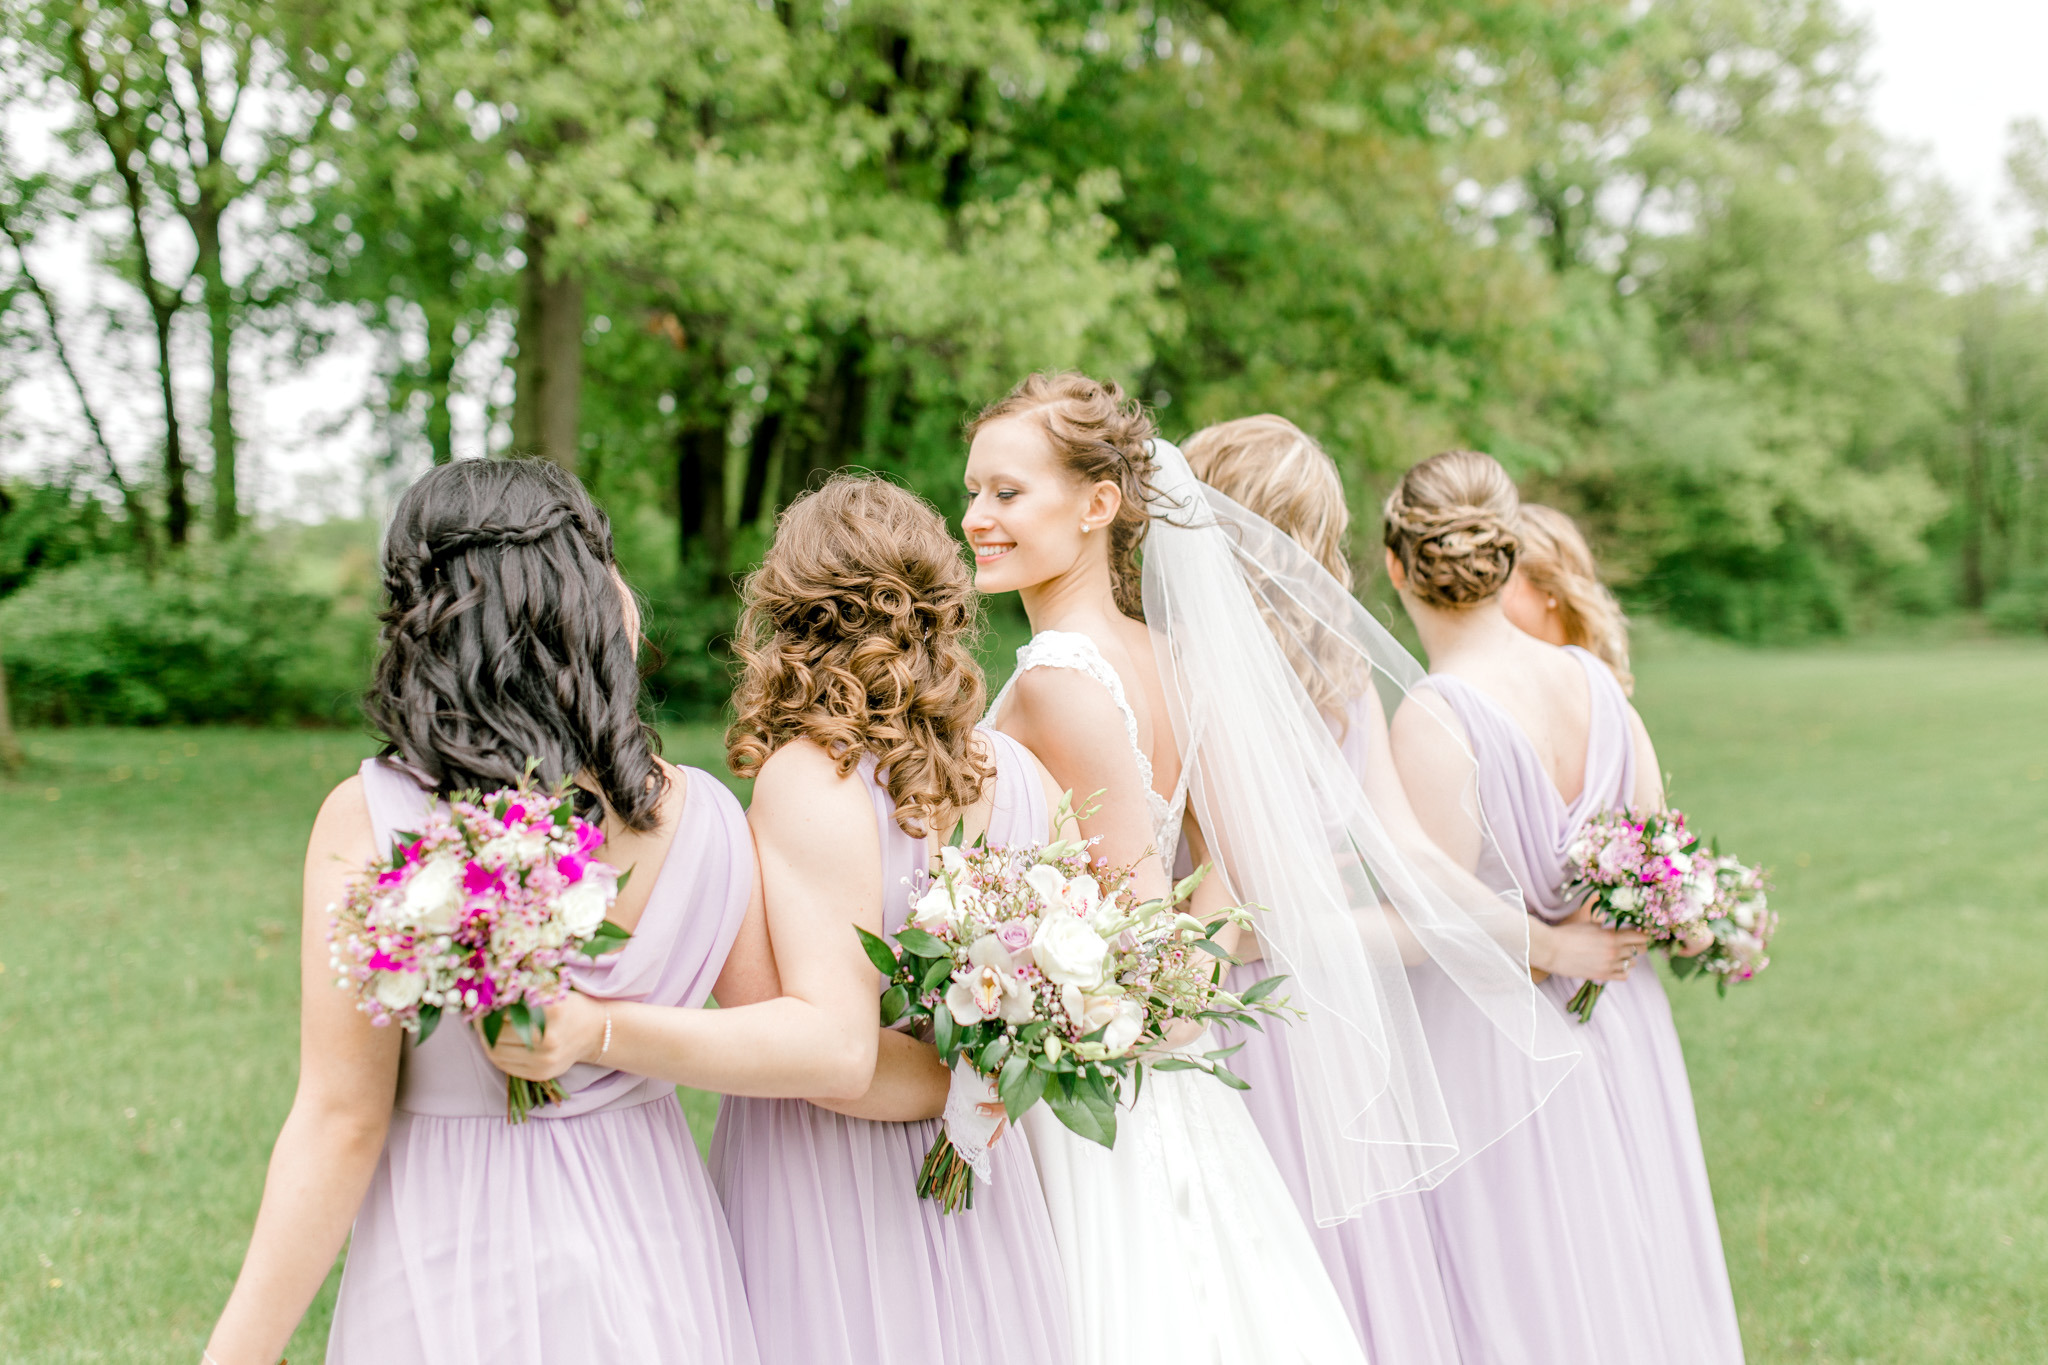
910,1083
820,874
331,1142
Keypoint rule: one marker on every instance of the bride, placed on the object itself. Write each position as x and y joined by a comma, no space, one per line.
1163,689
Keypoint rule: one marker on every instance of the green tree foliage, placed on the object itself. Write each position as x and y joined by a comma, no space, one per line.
1653,256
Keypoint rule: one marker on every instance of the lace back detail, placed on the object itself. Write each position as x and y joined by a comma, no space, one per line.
1071,649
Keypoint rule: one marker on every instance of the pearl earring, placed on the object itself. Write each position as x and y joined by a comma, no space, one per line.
1086,528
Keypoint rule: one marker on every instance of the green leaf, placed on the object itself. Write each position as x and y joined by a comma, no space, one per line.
895,1002
1230,1078
430,1016
1185,887
992,1056
494,1024
1084,1109
878,950
1021,1086
945,1034
1176,1064
1259,990
1220,1053
917,941
936,973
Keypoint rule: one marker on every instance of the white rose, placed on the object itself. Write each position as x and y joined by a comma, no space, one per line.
582,907
1745,915
433,898
953,860
1097,1011
400,990
1124,1029
934,909
1069,952
1626,898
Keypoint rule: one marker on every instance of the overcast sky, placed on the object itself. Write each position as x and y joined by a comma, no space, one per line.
1952,75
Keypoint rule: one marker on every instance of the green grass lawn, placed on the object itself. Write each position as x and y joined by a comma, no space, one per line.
1873,1109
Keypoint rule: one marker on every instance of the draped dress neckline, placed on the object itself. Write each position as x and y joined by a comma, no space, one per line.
1512,773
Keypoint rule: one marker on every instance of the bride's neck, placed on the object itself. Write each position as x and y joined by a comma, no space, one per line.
1081,599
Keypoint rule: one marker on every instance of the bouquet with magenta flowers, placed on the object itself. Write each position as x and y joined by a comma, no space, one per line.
479,912
1042,977
1648,873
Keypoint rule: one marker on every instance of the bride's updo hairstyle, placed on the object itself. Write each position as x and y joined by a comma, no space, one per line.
505,639
857,632
1274,468
1558,563
1451,523
1098,432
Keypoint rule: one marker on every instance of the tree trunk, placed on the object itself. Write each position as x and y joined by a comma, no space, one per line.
220,327
440,378
759,495
548,399
700,496
10,747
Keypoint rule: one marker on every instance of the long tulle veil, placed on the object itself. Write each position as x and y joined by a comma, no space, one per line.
1424,1039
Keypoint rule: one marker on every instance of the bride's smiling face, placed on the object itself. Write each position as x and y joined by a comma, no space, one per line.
1028,518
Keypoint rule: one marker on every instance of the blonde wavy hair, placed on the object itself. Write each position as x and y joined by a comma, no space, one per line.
1558,563
1276,469
1451,523
1098,432
857,632
1273,468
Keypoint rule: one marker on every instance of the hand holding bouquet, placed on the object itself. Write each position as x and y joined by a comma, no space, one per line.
479,912
1043,978
1648,873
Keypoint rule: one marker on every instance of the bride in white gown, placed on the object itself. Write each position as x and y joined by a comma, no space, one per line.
1182,1243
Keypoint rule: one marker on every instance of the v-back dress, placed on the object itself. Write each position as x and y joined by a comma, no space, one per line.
1588,1234
1180,1245
1382,1259
844,1263
591,1231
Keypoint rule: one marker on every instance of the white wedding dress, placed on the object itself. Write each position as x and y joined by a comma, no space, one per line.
1181,1245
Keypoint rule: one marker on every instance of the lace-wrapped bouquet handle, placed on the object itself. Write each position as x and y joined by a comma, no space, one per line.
479,912
1042,978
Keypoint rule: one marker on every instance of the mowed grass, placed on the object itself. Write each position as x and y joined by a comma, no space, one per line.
1873,1110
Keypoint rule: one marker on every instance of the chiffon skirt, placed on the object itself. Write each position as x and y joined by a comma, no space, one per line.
845,1265
1588,1234
553,1242
1181,1245
1382,1261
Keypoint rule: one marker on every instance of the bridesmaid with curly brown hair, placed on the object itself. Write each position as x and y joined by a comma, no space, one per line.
856,718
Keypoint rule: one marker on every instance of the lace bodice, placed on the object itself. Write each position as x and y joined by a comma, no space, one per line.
1071,649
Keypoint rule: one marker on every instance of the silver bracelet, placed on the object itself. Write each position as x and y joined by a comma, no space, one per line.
607,1034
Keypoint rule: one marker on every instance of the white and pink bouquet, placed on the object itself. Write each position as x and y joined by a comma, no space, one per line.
1042,977
1742,922
479,912
1648,873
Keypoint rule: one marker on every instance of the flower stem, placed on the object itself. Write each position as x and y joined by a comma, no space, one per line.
945,1177
1588,996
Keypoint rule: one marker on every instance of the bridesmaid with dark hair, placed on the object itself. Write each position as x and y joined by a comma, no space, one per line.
1587,1235
590,1232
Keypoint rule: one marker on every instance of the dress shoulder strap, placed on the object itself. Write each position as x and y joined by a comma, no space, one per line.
1072,649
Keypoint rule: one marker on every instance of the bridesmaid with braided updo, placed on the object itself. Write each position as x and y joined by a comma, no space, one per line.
589,1232
1588,1234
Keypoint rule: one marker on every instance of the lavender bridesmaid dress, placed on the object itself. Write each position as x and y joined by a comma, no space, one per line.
1588,1234
1382,1260
844,1264
589,1232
